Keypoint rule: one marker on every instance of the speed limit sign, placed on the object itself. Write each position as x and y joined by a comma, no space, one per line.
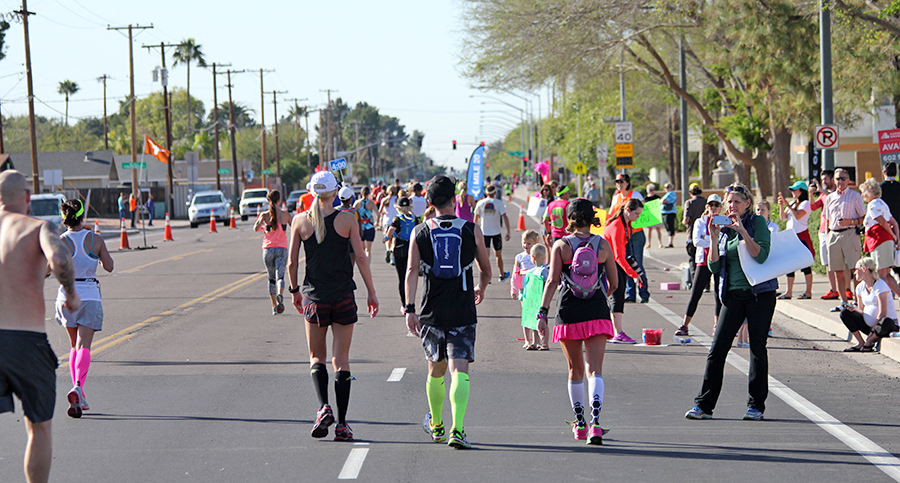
624,133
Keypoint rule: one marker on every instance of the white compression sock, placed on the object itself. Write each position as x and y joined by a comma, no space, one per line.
576,397
596,388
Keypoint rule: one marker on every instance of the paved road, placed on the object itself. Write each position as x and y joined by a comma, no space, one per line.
194,380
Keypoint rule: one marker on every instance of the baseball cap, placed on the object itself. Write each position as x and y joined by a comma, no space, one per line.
441,189
623,176
714,198
799,185
323,182
403,201
694,188
580,205
345,193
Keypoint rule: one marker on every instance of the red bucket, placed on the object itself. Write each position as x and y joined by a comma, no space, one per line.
652,336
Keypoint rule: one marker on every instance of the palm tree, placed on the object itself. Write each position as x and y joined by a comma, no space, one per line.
187,51
67,88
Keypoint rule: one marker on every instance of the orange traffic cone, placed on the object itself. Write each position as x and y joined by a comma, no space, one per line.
96,227
521,226
231,224
212,222
123,244
167,234
283,206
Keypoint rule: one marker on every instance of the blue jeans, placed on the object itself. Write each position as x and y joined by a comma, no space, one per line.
637,248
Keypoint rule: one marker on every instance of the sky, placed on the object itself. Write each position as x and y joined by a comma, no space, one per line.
402,56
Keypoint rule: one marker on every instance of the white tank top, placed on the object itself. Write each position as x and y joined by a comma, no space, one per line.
390,212
85,267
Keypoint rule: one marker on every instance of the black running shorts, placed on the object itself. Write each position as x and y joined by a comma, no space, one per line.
28,370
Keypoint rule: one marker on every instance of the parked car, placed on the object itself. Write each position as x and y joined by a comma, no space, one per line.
253,202
292,200
203,203
48,207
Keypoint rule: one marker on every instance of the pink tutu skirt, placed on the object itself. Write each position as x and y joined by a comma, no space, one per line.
583,330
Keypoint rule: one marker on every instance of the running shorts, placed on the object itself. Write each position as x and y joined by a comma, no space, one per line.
452,343
341,312
28,370
89,314
496,240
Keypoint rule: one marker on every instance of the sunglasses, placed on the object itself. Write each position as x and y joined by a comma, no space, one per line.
620,181
715,204
842,178
736,189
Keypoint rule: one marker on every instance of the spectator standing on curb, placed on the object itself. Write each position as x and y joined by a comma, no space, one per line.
490,215
617,234
27,363
132,207
882,233
875,315
151,208
821,190
448,336
669,210
622,195
123,213
797,215
846,211
593,195
890,193
693,209
740,301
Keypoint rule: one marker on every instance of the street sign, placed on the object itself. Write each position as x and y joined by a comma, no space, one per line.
889,145
224,170
53,177
338,164
266,171
134,165
827,136
579,168
624,156
602,152
516,154
624,133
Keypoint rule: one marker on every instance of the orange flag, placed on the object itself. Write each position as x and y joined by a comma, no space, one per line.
155,150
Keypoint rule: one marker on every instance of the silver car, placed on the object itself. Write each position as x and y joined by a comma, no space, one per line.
204,203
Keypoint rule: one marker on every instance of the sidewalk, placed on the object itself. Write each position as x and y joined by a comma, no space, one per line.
814,312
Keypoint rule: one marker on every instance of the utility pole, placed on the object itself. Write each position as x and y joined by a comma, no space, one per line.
167,111
134,173
102,79
231,129
825,62
31,129
277,149
216,125
328,115
262,122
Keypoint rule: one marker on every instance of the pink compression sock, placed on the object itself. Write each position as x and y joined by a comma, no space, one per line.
82,364
72,355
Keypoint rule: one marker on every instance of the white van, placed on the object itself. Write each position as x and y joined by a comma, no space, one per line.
47,206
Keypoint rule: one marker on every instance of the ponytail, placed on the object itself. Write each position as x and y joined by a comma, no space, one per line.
317,218
273,197
72,212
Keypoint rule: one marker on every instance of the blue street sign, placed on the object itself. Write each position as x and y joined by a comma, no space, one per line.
338,164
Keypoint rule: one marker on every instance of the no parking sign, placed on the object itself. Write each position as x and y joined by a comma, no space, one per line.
827,136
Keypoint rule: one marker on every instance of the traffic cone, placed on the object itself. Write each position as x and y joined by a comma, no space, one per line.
231,224
521,226
212,222
96,227
123,244
167,234
283,206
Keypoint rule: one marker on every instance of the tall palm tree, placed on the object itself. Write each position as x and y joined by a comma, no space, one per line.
187,51
67,88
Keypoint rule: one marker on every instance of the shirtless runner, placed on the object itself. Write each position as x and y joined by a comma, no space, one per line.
27,363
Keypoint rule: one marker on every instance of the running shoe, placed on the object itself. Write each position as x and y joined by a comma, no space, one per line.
458,440
831,295
436,432
279,299
753,415
682,331
697,413
84,404
579,429
387,256
849,294
342,432
645,300
630,301
274,311
769,334
324,418
595,435
74,410
504,276
622,338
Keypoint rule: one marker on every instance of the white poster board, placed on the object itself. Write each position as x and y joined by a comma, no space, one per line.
536,206
786,254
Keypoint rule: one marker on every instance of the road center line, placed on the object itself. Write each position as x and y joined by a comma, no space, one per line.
353,464
866,448
397,374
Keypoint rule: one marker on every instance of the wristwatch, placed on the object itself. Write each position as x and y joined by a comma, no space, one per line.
411,309
294,289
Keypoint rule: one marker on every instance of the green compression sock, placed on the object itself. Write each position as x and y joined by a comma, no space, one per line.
435,389
459,398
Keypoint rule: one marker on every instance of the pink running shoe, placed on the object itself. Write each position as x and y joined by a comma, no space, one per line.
622,338
595,435
579,430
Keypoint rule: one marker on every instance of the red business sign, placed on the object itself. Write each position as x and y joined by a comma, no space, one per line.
889,145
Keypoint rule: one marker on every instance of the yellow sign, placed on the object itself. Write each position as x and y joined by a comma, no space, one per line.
579,168
598,230
624,150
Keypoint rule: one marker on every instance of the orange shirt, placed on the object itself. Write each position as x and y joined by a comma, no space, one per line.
132,204
306,201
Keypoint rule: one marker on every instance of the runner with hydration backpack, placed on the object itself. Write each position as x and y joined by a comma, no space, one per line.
400,230
585,264
448,247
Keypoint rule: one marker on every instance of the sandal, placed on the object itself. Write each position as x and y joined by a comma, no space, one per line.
784,297
852,348
543,347
529,347
804,297
868,348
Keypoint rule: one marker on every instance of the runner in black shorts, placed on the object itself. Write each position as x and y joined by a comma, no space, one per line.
448,336
496,241
327,299
27,364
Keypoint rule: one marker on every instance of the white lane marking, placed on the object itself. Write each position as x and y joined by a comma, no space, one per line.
397,374
866,448
353,464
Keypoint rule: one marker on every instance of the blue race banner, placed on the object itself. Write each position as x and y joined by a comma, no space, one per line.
475,175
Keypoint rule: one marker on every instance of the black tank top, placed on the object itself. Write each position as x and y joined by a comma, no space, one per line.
329,273
572,309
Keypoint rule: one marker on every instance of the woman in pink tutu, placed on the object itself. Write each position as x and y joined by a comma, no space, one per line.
582,321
